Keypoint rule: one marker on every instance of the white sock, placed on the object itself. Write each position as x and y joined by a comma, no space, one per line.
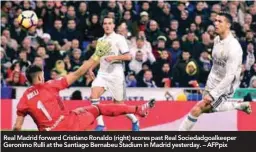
229,106
95,101
188,123
132,117
100,120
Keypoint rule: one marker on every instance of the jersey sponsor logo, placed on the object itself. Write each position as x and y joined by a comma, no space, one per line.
220,62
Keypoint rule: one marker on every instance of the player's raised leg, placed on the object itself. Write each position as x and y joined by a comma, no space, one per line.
207,107
121,109
117,109
233,105
230,104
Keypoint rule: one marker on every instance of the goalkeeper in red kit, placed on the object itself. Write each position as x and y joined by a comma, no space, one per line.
42,101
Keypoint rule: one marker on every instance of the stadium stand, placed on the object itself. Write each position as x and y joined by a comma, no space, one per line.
171,42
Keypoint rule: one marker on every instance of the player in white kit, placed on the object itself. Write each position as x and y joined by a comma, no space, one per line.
110,76
224,77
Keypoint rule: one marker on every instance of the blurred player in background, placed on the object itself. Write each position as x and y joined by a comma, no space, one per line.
224,77
110,76
43,103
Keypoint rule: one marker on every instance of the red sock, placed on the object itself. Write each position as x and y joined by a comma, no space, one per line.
115,109
93,110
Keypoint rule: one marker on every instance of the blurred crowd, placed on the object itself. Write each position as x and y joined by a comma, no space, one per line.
170,41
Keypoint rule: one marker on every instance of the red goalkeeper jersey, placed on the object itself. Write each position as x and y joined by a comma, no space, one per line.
43,103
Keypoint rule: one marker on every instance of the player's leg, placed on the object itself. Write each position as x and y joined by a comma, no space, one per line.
117,89
190,120
116,109
231,105
215,106
98,88
132,117
96,92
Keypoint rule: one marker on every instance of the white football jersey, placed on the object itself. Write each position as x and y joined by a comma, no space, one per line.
224,77
119,46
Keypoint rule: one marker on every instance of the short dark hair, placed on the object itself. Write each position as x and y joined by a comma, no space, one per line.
148,70
146,63
227,16
175,40
71,20
174,20
108,17
14,64
31,71
71,6
37,56
172,31
166,62
190,32
186,51
181,3
145,2
22,51
140,38
58,19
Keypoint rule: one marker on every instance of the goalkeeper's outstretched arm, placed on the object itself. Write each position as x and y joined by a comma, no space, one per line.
95,64
18,123
73,76
102,48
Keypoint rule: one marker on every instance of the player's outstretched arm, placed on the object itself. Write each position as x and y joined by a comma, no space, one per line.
18,123
102,48
123,57
91,73
95,64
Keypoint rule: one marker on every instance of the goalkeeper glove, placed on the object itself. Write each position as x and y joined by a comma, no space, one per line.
102,48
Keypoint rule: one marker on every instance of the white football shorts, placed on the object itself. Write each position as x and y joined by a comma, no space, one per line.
115,85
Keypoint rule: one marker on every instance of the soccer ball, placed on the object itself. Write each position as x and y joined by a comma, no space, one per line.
27,19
